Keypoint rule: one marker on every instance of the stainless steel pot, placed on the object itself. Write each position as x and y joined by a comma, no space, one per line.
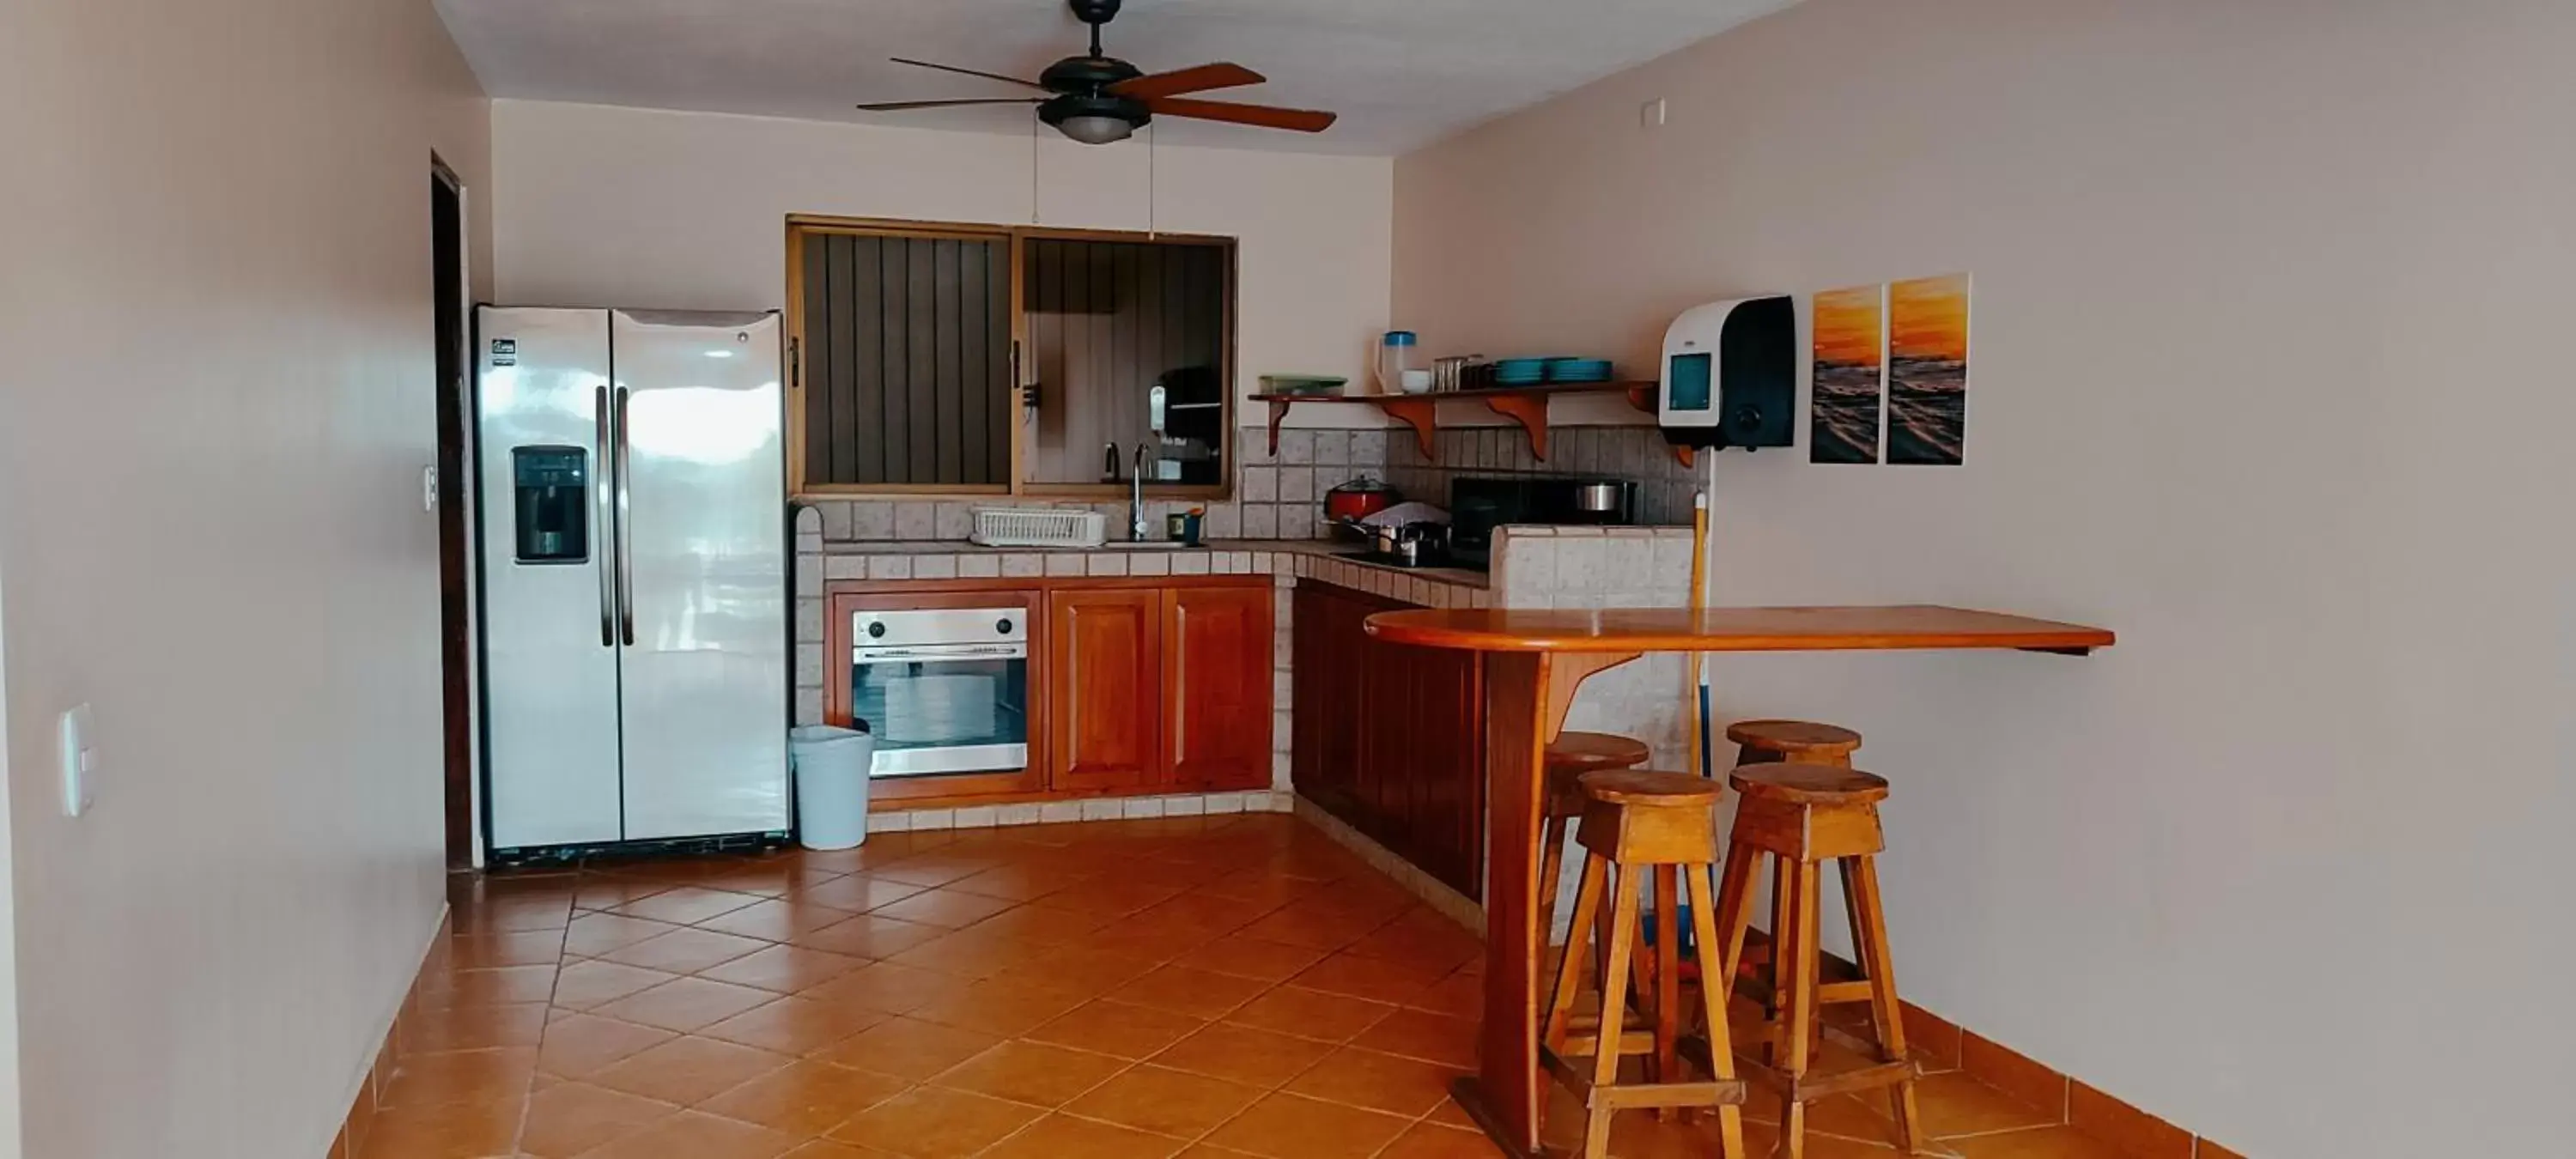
1597,497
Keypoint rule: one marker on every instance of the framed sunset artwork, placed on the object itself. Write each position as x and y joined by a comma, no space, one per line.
1850,347
1927,370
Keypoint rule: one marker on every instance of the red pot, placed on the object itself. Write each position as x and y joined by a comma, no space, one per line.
1358,499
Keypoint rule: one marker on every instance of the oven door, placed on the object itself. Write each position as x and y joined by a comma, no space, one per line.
943,708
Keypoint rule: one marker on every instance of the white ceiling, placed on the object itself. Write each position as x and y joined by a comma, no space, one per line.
1402,73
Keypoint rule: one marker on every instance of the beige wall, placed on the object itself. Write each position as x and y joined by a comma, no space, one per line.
215,345
630,207
2267,378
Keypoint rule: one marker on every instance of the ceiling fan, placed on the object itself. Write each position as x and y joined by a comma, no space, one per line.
1098,99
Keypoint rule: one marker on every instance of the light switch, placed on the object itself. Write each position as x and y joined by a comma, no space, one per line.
1651,114
79,745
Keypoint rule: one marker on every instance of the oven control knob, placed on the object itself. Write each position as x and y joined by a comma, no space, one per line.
1004,627
877,630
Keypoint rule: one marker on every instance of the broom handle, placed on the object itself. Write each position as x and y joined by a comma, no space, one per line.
1695,697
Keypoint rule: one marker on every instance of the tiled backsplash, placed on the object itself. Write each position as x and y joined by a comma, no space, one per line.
1282,496
1637,453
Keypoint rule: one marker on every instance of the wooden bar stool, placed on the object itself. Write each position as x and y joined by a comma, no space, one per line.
1571,756
1640,820
1804,816
1574,754
1762,742
1805,742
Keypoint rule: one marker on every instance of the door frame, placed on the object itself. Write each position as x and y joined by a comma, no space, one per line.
460,653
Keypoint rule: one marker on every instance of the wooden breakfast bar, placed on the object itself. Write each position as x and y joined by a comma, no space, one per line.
1535,661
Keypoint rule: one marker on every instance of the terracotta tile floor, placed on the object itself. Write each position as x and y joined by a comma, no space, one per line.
1215,987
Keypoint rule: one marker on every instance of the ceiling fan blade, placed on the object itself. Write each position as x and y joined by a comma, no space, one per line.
971,72
1187,80
1266,116
898,106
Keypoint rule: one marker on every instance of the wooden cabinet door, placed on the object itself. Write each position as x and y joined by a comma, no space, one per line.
1326,639
1442,698
1104,687
1217,651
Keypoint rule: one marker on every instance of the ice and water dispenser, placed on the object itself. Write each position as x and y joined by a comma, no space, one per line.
551,495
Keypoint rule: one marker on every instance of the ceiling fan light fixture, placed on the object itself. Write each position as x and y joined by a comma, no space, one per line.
1096,129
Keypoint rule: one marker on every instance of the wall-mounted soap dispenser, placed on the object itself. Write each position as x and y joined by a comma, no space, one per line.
1731,375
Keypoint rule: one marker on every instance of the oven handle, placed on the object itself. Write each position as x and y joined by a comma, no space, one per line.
865,655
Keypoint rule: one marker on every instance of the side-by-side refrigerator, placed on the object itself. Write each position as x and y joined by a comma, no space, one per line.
634,569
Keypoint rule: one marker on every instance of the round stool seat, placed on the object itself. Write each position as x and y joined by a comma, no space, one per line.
1797,784
1649,787
1586,751
1794,738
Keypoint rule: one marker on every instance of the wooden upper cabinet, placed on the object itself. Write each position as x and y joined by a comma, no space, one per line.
1105,688
1217,652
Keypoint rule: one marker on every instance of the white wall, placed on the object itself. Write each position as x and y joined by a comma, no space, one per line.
215,402
2269,379
631,207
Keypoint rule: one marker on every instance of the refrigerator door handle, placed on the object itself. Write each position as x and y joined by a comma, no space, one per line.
625,516
600,507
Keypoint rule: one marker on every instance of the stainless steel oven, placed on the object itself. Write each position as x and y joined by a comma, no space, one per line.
945,690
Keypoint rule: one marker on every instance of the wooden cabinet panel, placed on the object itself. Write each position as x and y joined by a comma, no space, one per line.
1390,738
1325,750
1217,649
1104,687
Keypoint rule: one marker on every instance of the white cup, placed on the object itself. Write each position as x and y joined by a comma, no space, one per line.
1417,382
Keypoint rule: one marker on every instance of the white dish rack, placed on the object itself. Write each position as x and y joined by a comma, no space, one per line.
1039,527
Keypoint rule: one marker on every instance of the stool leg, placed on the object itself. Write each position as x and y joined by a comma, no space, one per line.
1735,909
1712,995
1614,1005
1782,890
1551,863
1875,959
1668,981
1850,871
1569,969
1798,961
1744,871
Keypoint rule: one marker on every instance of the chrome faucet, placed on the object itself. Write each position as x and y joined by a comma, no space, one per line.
1136,498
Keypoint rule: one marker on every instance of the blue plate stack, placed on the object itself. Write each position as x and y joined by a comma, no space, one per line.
1578,370
1520,371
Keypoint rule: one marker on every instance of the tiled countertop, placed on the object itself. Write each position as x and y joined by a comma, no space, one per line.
1300,558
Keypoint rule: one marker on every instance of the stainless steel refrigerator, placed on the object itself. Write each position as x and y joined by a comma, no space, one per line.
634,576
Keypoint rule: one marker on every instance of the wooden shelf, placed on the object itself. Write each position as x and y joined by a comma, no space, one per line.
1524,405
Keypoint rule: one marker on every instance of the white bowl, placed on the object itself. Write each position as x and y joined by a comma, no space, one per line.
1417,382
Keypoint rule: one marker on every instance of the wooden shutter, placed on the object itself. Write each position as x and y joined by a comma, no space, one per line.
906,359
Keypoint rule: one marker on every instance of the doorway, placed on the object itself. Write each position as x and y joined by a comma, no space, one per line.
455,563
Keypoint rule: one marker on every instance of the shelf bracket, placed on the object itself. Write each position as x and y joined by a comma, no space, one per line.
1530,411
1643,396
1278,411
1422,414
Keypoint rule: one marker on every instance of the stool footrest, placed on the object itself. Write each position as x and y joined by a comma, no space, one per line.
1812,1087
1711,1093
1832,993
1630,1042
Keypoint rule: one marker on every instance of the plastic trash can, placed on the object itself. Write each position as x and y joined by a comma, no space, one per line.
831,767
